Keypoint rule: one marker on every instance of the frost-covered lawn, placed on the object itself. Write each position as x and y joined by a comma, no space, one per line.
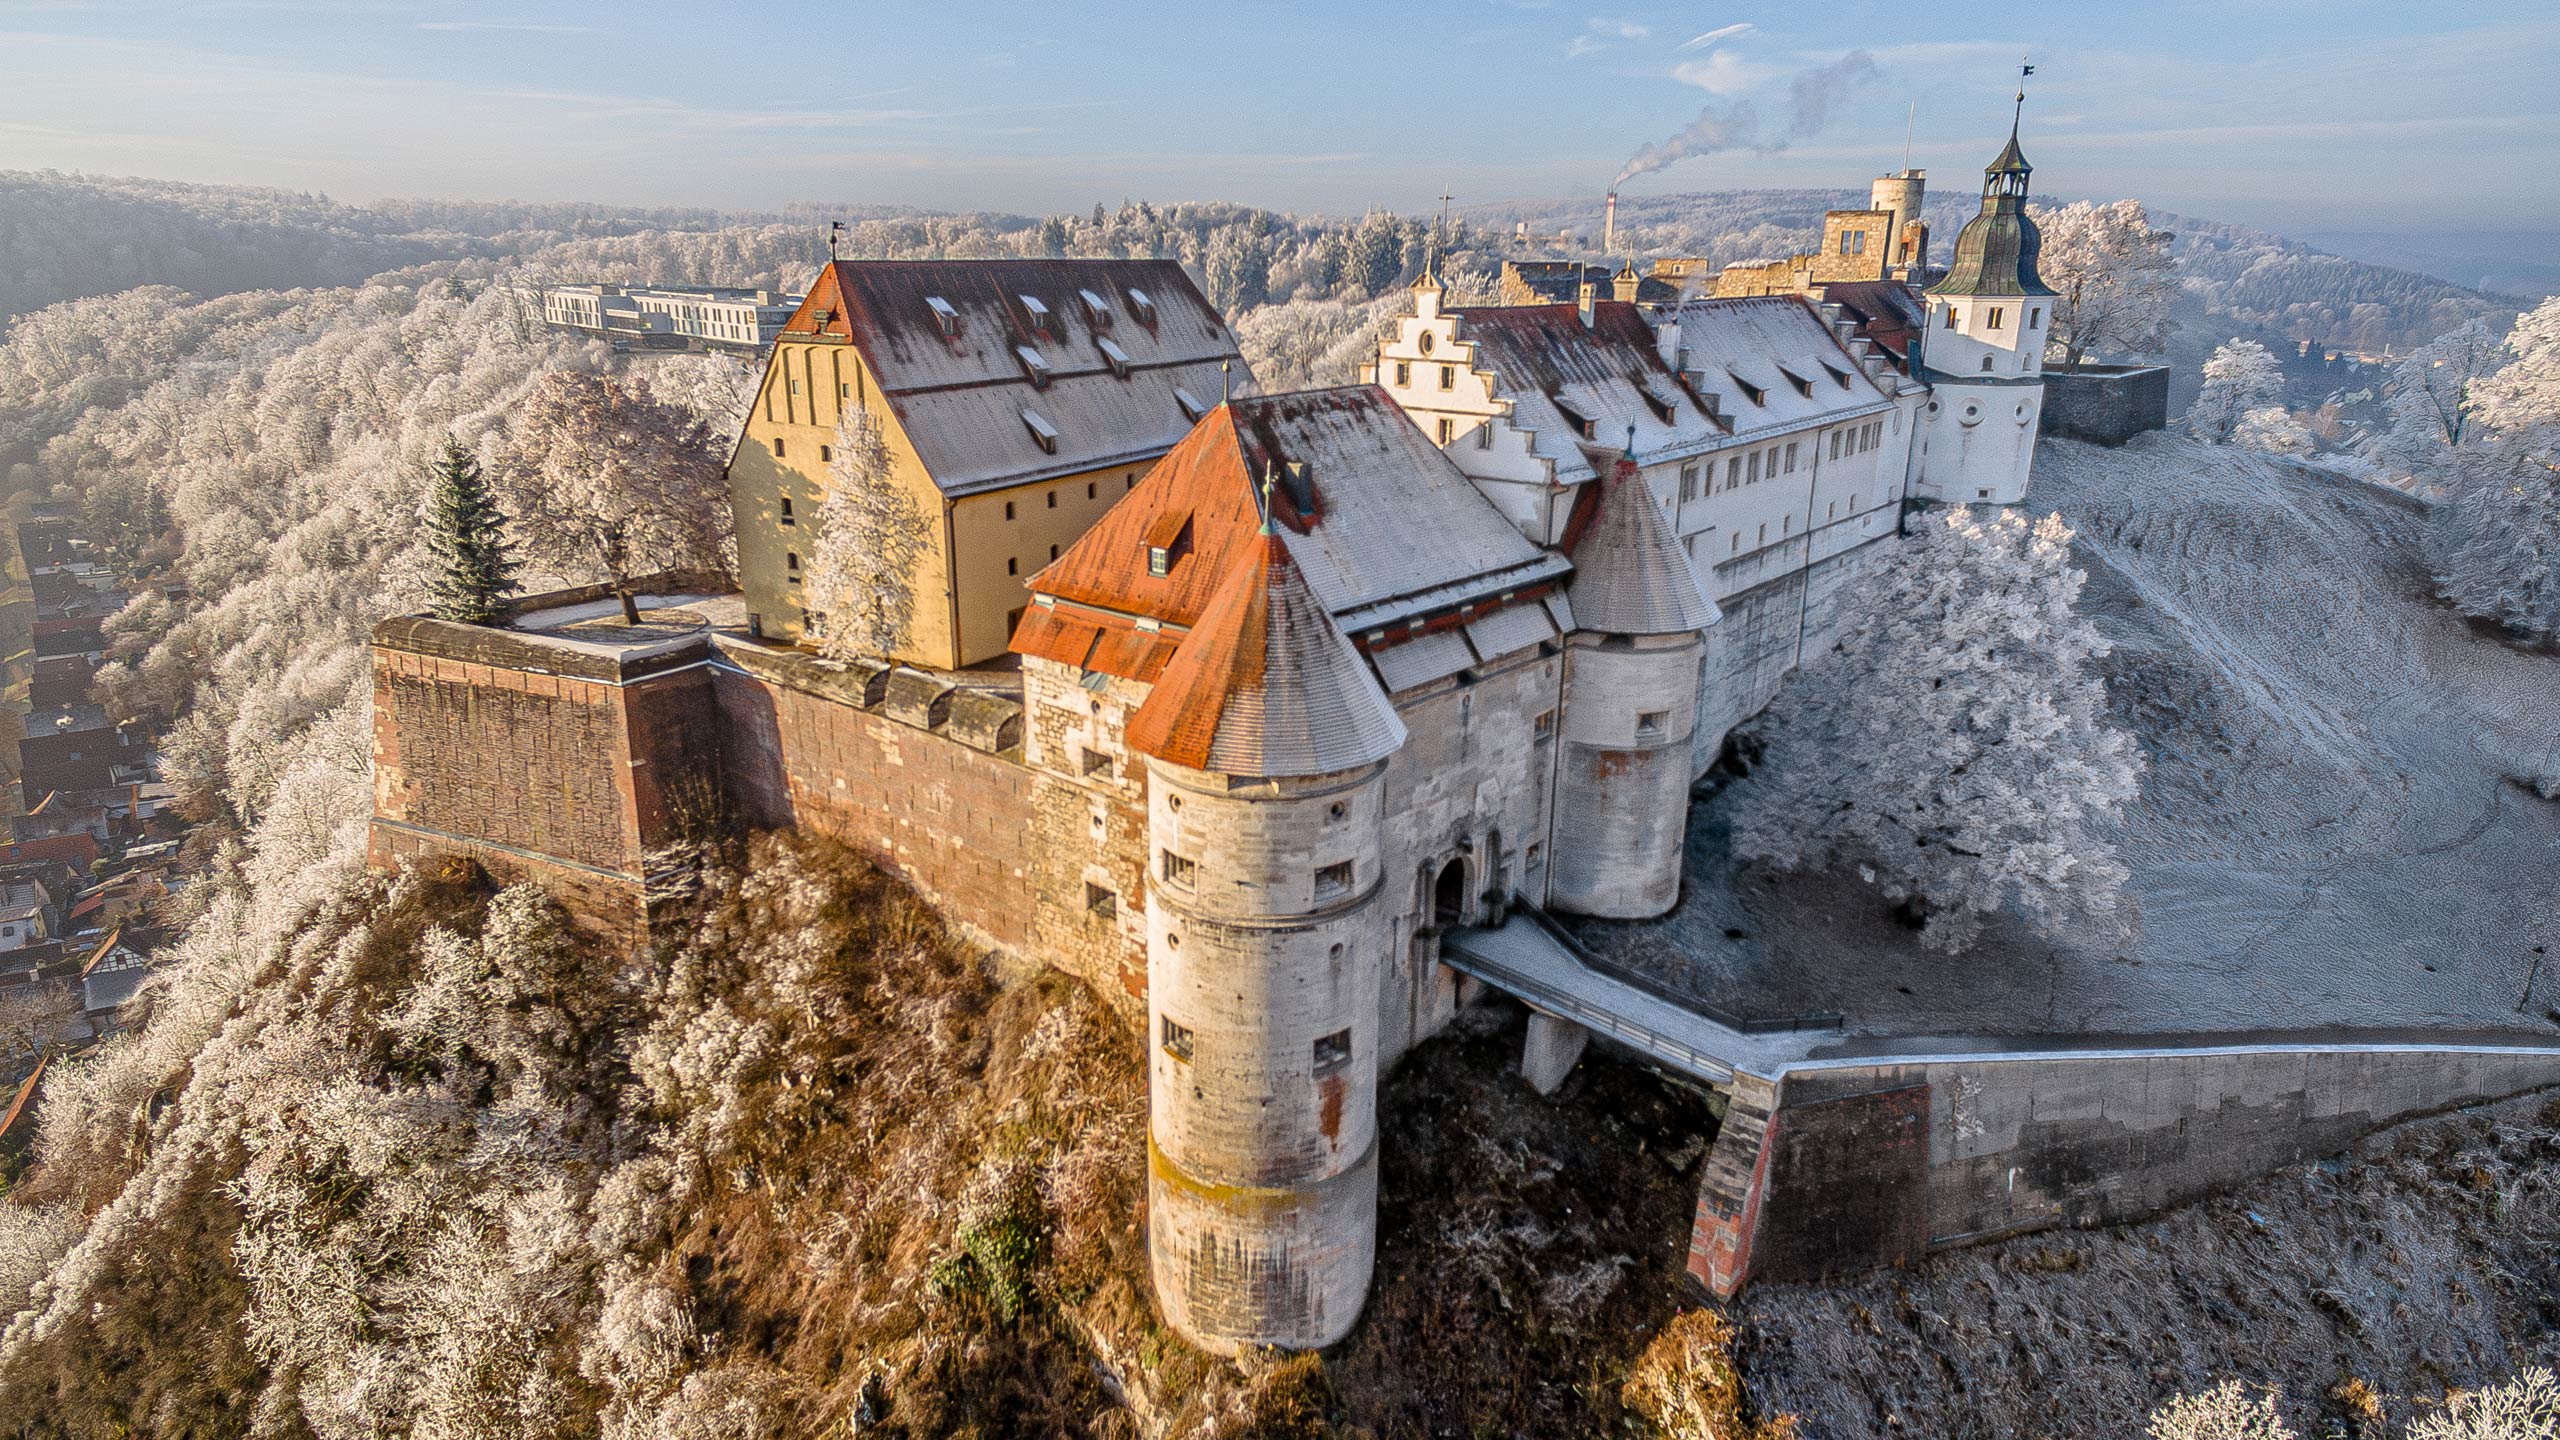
2338,827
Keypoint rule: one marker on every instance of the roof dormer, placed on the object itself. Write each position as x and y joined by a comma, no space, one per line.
946,316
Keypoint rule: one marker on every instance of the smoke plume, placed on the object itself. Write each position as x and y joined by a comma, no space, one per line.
1812,95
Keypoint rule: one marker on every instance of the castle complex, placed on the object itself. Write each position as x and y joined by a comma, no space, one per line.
1314,690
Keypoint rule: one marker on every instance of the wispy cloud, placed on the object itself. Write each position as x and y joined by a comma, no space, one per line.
1621,29
1722,73
1726,32
520,27
1582,45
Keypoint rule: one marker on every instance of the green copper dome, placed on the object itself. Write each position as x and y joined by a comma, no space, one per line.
1996,250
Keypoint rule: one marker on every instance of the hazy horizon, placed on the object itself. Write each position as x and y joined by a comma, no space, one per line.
2353,118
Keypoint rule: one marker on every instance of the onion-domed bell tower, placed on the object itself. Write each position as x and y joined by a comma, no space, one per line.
1983,355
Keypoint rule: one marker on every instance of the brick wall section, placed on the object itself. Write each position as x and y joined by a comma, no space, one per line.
493,753
817,746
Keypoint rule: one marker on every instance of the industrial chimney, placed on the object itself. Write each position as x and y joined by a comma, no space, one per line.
1609,227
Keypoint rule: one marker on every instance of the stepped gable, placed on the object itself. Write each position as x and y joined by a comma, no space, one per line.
1266,685
1116,358
1382,526
1571,384
1629,575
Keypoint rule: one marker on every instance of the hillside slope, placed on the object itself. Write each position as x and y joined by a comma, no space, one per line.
2338,829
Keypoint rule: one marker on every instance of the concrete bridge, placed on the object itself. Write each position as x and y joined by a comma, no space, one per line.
1841,1153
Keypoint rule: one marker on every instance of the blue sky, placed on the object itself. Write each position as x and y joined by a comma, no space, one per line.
2287,113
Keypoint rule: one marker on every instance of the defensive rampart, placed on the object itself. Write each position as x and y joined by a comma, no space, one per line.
1840,1166
2104,404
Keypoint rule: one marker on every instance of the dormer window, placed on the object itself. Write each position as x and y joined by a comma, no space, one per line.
1583,425
1118,357
1803,386
1096,309
1837,374
1754,393
1166,539
1660,397
1142,307
1043,434
1038,312
1033,365
946,318
1190,403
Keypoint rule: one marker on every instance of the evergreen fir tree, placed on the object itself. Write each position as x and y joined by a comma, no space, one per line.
473,573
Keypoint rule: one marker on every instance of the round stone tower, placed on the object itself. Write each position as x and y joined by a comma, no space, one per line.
1266,740
1630,707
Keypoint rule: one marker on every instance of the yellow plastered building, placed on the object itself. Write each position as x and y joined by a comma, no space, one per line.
1019,399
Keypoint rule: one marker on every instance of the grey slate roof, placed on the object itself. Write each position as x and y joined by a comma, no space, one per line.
1629,576
1760,341
962,396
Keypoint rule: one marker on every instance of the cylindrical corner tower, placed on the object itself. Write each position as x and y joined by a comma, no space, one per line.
1264,936
1267,739
1630,707
1622,794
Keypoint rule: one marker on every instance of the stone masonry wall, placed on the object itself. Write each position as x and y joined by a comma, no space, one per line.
1088,827
925,778
2105,404
2030,1142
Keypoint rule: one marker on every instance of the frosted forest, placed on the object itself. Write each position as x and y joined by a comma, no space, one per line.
405,1156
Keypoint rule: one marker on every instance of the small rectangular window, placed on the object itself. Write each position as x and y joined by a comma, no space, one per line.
1097,763
1090,490
1100,901
1732,473
1333,880
1332,1052
786,511
1688,483
1484,436
1993,323
1753,476
1176,869
1177,1039
1791,459
826,453
1053,499
777,447
1404,372
1737,544
1653,724
791,561
1835,443
1012,565
1008,509
1159,561
1448,430
1543,727
1448,377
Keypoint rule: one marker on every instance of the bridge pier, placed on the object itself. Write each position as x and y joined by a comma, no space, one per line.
1553,1048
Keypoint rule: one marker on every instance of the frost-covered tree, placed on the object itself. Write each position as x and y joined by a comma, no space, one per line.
607,479
2524,1408
2238,378
871,534
1955,752
2113,278
2228,1411
2496,538
2274,430
2428,399
466,535
1237,268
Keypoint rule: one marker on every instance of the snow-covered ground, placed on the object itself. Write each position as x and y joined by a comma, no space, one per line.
2338,828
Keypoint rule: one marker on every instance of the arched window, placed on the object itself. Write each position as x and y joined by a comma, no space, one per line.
1986,364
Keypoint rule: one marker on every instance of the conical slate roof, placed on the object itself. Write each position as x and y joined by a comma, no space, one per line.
1629,575
1266,685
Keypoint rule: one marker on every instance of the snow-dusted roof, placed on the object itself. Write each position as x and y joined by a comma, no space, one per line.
1629,576
1384,527
996,369
1266,685
1572,385
1753,352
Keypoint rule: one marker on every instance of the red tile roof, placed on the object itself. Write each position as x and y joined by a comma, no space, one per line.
1266,685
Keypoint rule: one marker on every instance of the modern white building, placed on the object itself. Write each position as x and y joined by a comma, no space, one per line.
711,317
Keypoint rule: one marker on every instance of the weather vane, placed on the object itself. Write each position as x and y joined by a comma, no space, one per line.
835,228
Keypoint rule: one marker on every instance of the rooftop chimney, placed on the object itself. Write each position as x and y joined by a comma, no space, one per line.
1587,296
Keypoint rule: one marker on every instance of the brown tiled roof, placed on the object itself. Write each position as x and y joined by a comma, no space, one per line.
1266,685
960,395
1629,575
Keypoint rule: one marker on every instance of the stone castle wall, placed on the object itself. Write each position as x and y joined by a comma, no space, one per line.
1861,1165
2104,404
